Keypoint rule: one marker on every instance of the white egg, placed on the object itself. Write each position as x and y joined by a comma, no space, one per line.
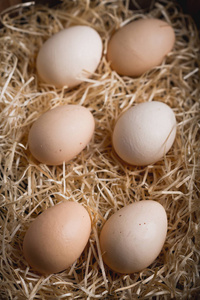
145,133
69,56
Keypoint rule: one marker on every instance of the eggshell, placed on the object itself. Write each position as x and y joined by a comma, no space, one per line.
60,134
140,46
133,237
69,56
144,133
57,237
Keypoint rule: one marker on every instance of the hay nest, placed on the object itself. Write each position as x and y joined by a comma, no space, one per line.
97,177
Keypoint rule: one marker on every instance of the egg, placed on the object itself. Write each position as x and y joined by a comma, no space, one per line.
133,237
69,56
57,237
144,133
139,46
61,133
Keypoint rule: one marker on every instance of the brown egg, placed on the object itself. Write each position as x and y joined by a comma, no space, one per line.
57,237
61,133
140,46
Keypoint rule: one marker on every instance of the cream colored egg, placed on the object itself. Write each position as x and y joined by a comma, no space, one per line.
60,134
140,46
133,237
57,237
144,133
69,56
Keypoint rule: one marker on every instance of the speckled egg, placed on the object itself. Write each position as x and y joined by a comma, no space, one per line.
60,134
133,237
